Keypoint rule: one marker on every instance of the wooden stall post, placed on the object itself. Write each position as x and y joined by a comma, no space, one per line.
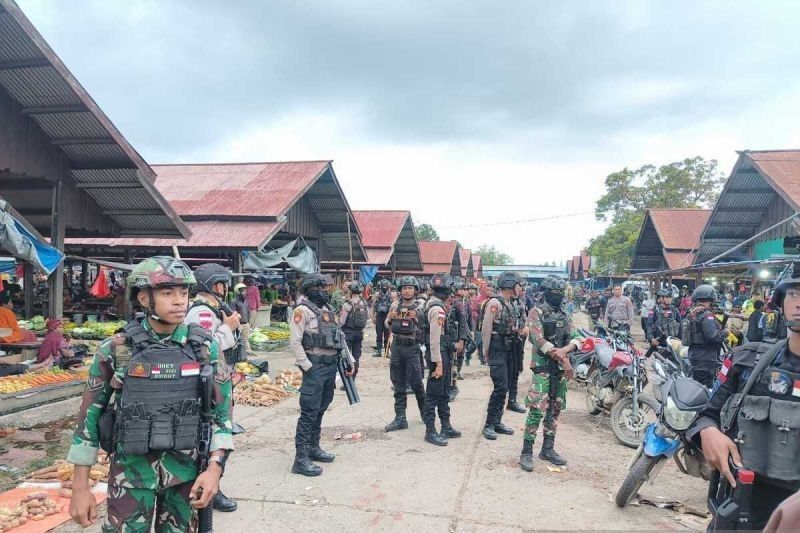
56,281
27,280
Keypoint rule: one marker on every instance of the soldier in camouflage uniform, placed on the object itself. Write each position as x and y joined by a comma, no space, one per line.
154,469
553,336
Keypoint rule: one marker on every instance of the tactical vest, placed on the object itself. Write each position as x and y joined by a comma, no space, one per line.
402,325
383,302
768,424
555,325
504,322
329,336
696,326
232,355
357,317
159,408
666,321
449,329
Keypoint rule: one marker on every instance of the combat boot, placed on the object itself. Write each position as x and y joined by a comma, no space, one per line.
526,457
549,454
448,431
503,429
223,504
315,453
302,465
452,393
237,429
489,432
513,405
433,437
398,423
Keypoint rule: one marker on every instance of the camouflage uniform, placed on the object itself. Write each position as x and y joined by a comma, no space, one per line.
158,482
538,397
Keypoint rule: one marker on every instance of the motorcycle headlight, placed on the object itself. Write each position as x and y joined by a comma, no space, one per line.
677,419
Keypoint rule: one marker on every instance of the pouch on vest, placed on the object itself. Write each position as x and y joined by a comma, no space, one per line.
135,431
358,316
384,302
769,437
105,428
187,423
161,431
402,324
686,331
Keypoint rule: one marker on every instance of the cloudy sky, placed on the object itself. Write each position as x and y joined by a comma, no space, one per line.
468,113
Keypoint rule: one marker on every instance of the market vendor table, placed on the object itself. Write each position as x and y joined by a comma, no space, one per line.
23,351
278,313
25,399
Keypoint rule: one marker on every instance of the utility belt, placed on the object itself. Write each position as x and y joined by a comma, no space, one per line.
323,359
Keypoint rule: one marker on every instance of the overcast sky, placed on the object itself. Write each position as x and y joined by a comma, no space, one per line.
467,113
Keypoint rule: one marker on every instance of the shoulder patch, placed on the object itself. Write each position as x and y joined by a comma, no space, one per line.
494,308
440,320
298,316
222,375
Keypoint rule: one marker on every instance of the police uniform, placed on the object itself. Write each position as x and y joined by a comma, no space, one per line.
153,384
440,343
704,347
498,332
206,313
766,427
353,319
517,355
662,322
383,301
404,369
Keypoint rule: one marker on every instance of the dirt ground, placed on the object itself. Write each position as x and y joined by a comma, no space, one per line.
398,482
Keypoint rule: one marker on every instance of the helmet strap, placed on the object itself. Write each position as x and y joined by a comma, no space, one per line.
151,310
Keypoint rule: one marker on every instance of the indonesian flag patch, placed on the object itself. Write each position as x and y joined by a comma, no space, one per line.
796,388
723,372
190,369
206,320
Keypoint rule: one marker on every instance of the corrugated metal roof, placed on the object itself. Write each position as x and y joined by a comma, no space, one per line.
679,229
378,256
36,79
439,256
678,259
380,228
782,171
243,189
465,256
205,234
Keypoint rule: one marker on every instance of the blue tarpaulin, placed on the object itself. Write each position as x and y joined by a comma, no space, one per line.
367,273
8,267
22,244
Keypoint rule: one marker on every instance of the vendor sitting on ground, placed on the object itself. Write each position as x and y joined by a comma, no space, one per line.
55,349
8,320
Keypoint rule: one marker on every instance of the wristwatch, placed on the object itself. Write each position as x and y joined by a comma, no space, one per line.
219,459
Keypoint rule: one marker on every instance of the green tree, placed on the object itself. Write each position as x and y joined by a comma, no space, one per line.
693,182
425,232
490,255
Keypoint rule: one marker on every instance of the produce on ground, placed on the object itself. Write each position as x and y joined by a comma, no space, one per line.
260,392
270,334
64,472
93,330
36,323
35,507
10,384
290,378
247,368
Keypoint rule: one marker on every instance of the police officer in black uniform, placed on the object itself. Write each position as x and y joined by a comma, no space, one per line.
404,364
441,335
704,335
353,319
498,332
663,320
317,342
518,348
459,318
753,416
383,300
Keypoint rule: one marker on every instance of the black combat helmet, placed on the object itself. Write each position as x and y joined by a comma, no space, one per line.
209,274
507,280
704,292
442,283
311,282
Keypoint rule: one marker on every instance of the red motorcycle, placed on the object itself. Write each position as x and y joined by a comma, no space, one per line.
615,382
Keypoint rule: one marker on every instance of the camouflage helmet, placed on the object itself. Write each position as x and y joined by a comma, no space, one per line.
552,283
355,287
384,284
408,281
160,271
507,280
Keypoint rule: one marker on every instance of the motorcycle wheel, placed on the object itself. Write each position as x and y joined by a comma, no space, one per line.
591,400
630,432
637,475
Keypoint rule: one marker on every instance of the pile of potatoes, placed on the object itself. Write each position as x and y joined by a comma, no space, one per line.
35,507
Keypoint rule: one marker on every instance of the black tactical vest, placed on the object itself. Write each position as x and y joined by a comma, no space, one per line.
383,302
768,424
449,329
503,323
159,408
667,321
555,325
402,325
357,317
329,336
232,355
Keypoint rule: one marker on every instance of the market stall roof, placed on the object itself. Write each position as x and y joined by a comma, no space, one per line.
387,233
668,239
440,256
721,267
465,256
56,132
761,181
585,263
248,205
477,265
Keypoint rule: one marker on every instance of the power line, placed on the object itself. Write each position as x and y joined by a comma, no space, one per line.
521,221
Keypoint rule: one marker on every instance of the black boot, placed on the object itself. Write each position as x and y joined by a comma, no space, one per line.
514,406
448,431
399,422
503,429
223,504
237,429
315,453
489,432
526,457
302,465
434,438
452,393
549,454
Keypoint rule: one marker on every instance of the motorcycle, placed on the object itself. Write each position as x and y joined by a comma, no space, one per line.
670,363
682,400
615,385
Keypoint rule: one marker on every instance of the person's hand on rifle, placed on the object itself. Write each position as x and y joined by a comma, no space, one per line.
82,505
205,486
438,371
233,321
717,447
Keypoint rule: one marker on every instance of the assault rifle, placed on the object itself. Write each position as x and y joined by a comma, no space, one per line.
204,444
731,506
344,366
